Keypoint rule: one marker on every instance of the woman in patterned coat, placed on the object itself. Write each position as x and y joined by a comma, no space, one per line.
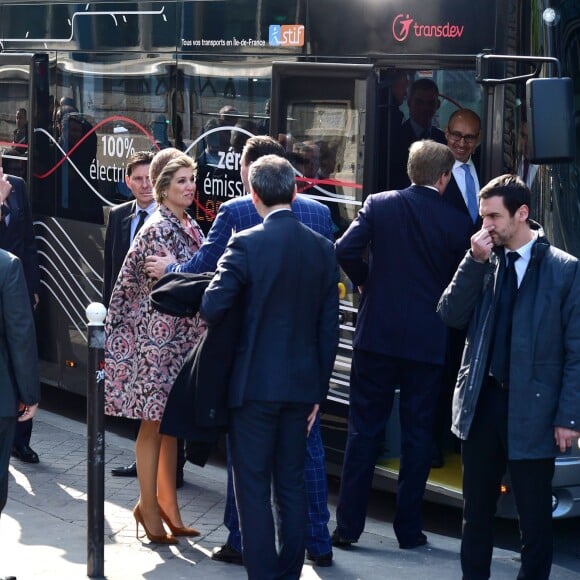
145,349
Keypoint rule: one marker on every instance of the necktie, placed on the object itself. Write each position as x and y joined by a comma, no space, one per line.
142,218
4,212
500,347
470,193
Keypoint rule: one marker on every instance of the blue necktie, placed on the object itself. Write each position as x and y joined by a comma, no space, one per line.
470,193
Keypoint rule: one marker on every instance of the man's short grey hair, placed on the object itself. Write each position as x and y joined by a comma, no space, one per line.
272,178
428,160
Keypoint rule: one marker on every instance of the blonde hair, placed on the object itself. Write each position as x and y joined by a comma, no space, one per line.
164,166
160,159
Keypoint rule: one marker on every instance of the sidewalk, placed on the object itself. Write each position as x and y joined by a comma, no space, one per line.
43,527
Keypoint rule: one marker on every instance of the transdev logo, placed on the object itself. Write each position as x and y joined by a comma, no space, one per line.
405,26
286,35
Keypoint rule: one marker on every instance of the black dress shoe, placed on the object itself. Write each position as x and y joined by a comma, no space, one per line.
227,554
340,542
324,560
25,453
8,578
420,540
127,471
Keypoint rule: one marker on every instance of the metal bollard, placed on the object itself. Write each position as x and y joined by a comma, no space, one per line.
96,313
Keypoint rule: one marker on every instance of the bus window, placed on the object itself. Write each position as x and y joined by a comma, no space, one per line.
221,110
103,114
14,99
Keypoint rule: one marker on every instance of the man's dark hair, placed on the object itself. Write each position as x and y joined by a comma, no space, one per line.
423,85
138,158
259,146
511,188
272,178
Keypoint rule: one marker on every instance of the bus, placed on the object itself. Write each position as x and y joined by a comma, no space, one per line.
100,80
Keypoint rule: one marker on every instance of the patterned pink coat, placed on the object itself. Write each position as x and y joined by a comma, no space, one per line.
145,349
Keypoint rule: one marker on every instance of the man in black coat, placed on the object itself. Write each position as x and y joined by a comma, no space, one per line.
126,219
17,237
423,103
287,278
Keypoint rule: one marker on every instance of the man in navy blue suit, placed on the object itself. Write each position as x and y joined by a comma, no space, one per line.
414,241
287,276
236,215
17,237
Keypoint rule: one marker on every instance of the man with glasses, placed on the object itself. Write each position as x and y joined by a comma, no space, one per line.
463,136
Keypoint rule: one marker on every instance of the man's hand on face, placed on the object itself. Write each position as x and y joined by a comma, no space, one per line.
481,245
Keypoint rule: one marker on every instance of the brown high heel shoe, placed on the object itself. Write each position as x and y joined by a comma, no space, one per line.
184,531
160,539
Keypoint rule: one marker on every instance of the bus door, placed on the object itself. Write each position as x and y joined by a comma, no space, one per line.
320,113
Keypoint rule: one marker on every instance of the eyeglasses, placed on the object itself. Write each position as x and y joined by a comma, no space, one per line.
456,136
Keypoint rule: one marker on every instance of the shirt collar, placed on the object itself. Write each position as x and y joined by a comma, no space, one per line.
277,211
149,209
460,163
524,251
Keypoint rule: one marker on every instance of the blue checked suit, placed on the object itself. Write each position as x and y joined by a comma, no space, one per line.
236,215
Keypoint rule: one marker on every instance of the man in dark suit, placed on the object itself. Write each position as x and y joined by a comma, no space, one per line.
124,222
17,237
400,251
463,135
19,383
235,215
423,103
126,219
288,277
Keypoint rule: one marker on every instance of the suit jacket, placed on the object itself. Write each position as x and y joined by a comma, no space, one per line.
117,242
18,356
454,197
414,242
399,177
240,214
18,237
286,276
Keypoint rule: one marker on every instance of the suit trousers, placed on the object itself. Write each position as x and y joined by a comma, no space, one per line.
7,425
317,534
484,458
268,447
374,379
23,433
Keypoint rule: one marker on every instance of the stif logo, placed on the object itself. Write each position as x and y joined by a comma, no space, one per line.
287,35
